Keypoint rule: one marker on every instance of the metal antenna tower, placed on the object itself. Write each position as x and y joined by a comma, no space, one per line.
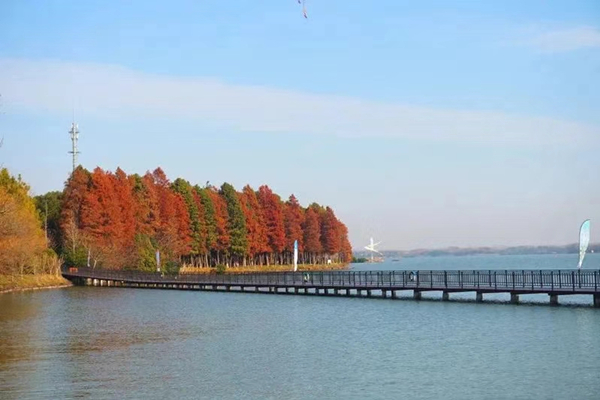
74,138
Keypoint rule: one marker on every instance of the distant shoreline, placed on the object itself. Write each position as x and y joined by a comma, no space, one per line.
473,251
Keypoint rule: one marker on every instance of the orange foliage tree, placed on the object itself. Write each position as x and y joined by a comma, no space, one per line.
21,236
273,214
258,241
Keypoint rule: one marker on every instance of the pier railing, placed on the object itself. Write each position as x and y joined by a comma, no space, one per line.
523,281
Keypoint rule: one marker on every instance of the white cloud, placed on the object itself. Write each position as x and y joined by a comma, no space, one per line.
567,39
115,92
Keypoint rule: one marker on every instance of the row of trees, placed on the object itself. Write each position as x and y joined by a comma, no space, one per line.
115,220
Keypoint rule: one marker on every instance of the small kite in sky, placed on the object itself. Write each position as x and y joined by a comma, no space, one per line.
303,7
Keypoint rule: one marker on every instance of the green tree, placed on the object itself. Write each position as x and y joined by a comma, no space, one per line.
236,224
209,218
146,253
184,188
75,256
49,207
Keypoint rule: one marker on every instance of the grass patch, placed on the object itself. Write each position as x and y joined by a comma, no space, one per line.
18,282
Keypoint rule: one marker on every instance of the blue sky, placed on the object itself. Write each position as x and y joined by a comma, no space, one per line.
425,125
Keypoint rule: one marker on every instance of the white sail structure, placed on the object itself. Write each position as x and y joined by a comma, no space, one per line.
584,240
372,248
295,255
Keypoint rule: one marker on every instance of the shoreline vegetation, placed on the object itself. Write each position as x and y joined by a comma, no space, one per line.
190,270
113,220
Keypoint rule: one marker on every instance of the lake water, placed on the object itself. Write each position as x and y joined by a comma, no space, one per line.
113,343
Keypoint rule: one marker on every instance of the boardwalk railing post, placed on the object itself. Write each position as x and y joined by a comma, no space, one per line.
431,278
573,279
417,278
552,279
446,279
595,281
559,279
531,280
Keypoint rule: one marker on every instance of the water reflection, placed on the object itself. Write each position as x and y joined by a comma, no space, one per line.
17,311
124,343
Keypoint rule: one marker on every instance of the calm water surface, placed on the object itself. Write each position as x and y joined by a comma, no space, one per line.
116,343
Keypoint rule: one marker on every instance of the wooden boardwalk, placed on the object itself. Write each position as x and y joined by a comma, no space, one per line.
361,283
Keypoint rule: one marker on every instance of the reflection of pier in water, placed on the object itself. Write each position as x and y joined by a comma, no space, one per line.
384,284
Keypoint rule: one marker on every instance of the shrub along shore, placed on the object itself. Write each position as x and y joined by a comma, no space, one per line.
188,270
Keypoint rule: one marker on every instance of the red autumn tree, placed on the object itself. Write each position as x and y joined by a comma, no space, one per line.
166,235
183,226
331,239
312,235
258,240
221,218
100,211
75,190
101,221
273,213
93,219
346,250
124,197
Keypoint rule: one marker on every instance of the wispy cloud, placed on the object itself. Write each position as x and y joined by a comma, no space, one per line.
112,91
567,39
